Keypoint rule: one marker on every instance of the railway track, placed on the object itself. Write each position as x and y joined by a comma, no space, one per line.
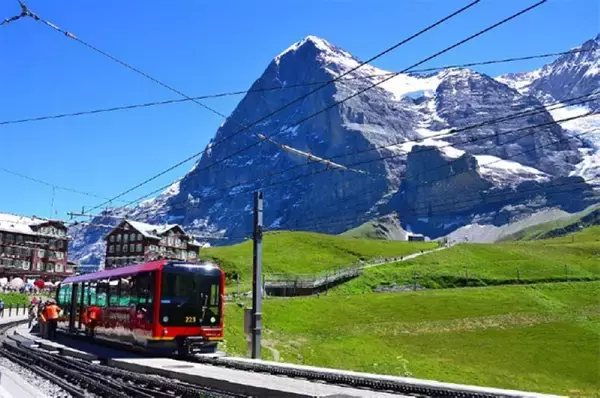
416,389
124,383
84,379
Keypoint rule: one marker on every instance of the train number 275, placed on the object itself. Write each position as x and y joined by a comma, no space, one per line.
190,319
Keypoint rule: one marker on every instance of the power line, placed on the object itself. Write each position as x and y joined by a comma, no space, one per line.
70,35
16,17
52,185
530,112
532,128
442,208
243,127
461,42
275,88
309,174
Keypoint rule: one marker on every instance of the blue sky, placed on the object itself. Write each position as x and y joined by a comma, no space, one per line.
203,47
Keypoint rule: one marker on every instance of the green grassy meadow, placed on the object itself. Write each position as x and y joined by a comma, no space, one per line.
542,337
572,257
306,253
587,217
13,299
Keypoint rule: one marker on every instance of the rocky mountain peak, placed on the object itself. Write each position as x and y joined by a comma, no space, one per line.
313,49
400,133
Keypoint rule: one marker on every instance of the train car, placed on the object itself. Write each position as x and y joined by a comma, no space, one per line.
165,306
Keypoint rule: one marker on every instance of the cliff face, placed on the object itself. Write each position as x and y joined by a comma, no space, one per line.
438,181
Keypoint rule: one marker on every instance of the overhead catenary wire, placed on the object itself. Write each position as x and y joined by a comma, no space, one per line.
14,18
276,88
443,208
337,103
312,173
52,185
197,236
529,112
244,128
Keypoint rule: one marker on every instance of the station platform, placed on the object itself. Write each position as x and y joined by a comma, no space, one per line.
459,388
13,384
243,381
237,381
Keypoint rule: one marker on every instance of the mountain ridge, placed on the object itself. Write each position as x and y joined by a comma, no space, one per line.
502,159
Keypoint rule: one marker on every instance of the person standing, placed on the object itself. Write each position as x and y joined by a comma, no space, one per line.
42,319
52,311
2,308
32,314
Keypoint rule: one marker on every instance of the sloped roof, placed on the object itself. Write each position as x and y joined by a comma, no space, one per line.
149,230
20,224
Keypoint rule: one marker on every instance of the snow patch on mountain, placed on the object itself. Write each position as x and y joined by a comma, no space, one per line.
505,172
377,130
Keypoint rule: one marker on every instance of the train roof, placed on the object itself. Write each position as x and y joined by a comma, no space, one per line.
122,271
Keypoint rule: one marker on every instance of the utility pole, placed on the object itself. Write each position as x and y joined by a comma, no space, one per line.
257,274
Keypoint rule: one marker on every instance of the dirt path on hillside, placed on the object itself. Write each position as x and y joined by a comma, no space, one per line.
405,258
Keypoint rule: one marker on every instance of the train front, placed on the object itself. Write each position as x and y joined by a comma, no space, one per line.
191,306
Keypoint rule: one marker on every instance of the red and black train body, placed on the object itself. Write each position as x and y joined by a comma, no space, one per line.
162,305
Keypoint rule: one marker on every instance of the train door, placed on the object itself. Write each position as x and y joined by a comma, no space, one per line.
141,307
63,299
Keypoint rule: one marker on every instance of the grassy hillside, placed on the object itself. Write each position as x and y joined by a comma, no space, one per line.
543,338
574,257
386,227
586,218
305,252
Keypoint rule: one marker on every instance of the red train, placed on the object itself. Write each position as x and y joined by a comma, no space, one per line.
165,306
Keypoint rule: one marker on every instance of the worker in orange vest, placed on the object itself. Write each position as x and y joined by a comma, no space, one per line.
52,311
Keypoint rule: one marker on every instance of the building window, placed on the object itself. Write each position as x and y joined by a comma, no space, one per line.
111,249
191,254
119,238
58,268
125,238
132,247
41,253
125,248
139,248
112,238
132,237
118,248
139,237
19,239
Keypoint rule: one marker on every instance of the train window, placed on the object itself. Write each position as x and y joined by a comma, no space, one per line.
102,293
113,293
145,288
83,286
64,295
214,295
91,294
188,297
125,292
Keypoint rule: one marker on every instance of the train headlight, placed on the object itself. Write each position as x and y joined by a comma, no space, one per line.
212,319
165,319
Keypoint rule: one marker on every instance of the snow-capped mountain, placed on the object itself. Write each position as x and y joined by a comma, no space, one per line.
410,135
570,76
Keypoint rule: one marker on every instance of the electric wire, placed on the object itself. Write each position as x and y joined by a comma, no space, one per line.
457,44
276,88
244,128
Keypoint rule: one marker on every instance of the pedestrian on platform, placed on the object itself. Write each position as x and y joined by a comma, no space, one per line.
52,311
42,319
32,314
1,308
